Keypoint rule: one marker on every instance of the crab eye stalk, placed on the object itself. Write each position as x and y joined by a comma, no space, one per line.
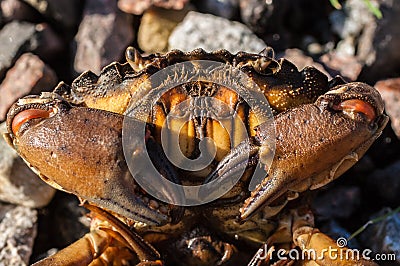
357,106
27,115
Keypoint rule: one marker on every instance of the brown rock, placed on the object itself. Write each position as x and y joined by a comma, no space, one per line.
137,7
390,91
156,27
103,35
28,76
17,10
342,64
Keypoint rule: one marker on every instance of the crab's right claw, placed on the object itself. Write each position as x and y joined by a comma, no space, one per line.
329,137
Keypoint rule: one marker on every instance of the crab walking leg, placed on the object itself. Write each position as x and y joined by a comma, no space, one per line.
81,252
111,242
144,250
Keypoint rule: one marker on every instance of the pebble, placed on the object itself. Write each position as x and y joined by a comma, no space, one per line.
103,36
156,26
37,77
137,7
343,64
385,183
15,38
18,184
18,227
390,92
383,237
212,33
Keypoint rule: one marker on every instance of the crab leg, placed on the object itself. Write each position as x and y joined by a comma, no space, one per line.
101,239
316,248
84,250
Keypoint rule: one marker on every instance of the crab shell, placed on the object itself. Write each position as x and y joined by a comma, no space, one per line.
73,139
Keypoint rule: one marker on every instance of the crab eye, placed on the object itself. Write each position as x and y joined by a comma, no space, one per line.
358,106
26,115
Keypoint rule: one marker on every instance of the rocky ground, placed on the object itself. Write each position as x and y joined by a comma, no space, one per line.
45,41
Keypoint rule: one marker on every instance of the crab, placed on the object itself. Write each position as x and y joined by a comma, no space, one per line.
74,139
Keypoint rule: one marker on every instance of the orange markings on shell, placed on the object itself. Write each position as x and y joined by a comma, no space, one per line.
26,115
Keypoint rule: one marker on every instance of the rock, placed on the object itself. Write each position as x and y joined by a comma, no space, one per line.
212,33
30,75
390,92
18,184
228,9
18,10
15,38
373,41
137,7
18,226
385,183
156,26
383,237
103,35
337,202
65,14
298,58
342,64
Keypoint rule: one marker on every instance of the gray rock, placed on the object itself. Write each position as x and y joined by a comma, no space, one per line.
383,237
18,184
103,36
15,38
37,77
18,227
212,33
